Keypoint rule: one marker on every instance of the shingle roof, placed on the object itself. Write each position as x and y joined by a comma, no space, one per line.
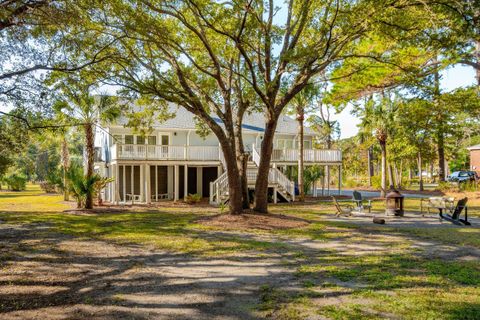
252,122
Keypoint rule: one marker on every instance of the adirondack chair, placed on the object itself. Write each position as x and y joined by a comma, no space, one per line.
346,209
455,216
358,199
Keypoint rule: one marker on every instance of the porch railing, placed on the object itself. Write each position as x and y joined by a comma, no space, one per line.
164,152
309,155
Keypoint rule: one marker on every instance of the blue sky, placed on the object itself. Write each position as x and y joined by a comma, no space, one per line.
451,78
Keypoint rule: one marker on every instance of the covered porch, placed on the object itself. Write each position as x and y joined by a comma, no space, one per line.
154,182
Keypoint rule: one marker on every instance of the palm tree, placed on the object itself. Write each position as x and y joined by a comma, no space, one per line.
302,103
379,117
81,108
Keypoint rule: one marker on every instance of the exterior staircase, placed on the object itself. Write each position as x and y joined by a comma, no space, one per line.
219,193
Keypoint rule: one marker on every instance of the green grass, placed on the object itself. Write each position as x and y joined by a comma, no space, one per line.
398,282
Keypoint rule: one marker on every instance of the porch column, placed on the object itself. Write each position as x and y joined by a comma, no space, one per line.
132,182
124,185
170,180
142,183
185,182
176,183
275,195
339,180
219,171
200,181
116,190
148,187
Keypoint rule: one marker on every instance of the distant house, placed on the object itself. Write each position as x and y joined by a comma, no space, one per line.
173,160
475,158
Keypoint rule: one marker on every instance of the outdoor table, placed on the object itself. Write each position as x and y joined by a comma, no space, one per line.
440,203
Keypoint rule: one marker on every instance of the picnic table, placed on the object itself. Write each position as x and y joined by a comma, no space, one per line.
439,203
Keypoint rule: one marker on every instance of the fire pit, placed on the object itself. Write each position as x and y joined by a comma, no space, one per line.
394,203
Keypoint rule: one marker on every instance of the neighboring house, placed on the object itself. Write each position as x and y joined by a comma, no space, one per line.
174,161
475,158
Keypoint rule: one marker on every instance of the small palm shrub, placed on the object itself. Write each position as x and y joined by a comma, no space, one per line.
16,181
80,185
193,198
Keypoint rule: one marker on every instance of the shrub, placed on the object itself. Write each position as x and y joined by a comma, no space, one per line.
48,187
16,181
193,198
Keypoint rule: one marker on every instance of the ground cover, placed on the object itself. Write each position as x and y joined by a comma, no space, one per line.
172,262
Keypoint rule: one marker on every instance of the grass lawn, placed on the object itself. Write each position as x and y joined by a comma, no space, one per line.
161,262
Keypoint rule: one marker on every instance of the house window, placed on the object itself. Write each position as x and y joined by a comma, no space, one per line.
165,140
307,144
140,140
288,144
117,139
280,143
152,140
128,139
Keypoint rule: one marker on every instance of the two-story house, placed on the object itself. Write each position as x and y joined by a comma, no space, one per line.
174,161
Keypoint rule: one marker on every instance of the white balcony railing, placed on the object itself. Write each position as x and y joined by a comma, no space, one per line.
309,155
162,152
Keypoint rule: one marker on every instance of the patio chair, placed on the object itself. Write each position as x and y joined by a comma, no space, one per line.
358,199
455,216
345,209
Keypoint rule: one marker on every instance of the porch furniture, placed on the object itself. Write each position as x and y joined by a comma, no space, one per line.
160,196
440,203
454,217
345,209
132,197
360,206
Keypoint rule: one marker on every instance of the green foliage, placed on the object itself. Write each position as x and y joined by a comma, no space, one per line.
193,198
15,181
311,174
81,186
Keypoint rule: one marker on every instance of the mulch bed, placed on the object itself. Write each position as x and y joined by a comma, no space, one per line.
252,220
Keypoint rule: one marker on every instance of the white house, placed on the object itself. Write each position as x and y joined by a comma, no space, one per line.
174,160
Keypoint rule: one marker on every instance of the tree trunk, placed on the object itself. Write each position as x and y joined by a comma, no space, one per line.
370,167
391,181
261,185
65,164
242,161
301,189
441,155
420,175
90,151
383,148
235,203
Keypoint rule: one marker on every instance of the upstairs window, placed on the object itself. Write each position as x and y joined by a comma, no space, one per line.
129,139
152,140
140,140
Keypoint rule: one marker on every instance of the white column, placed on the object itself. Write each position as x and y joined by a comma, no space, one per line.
219,171
124,185
142,183
116,189
275,195
176,184
156,183
170,181
339,180
185,181
132,182
148,187
199,181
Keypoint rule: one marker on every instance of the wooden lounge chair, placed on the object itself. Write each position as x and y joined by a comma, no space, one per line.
455,216
358,199
345,209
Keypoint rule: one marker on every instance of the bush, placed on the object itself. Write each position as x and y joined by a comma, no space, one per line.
48,187
193,198
458,187
16,181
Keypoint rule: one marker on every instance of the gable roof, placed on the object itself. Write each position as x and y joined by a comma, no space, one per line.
253,122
